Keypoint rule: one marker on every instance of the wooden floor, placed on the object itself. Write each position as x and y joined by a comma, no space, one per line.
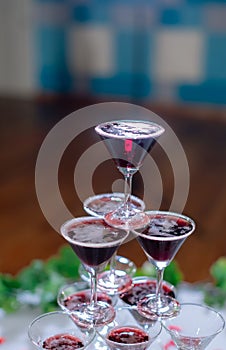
25,233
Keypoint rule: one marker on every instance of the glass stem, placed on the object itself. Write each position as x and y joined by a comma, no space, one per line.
128,189
113,264
93,296
160,273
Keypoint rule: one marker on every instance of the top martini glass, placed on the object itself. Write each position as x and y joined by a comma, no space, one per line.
128,142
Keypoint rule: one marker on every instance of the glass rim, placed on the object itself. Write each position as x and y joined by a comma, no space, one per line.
120,195
166,213
128,308
68,223
66,292
90,330
201,306
160,129
74,285
143,279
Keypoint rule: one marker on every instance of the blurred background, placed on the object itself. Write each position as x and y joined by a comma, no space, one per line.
168,50
59,55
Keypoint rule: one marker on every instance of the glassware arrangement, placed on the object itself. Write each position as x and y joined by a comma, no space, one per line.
197,333
161,239
110,309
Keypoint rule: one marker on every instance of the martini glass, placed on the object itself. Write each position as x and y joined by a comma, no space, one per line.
94,242
125,333
119,277
128,142
160,240
56,330
195,326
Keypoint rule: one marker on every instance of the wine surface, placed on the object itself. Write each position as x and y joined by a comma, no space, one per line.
92,239
166,226
129,141
63,342
84,297
141,290
93,233
129,129
128,335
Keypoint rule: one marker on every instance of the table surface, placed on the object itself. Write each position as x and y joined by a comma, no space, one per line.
13,328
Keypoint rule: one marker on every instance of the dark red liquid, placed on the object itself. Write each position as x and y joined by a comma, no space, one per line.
93,241
128,335
141,290
62,342
163,227
128,153
93,256
73,300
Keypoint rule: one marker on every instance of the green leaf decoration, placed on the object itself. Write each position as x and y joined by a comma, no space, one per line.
215,294
66,263
40,278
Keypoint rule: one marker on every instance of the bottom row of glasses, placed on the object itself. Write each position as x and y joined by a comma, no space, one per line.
95,242
193,329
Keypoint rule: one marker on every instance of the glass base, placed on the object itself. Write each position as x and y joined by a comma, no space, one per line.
152,309
104,203
127,218
85,315
114,283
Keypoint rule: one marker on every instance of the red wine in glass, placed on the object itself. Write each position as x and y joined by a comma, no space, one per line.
126,333
128,142
92,255
71,296
143,286
94,242
161,239
57,331
164,235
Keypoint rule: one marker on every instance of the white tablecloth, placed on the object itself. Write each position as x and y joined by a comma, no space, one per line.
13,328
